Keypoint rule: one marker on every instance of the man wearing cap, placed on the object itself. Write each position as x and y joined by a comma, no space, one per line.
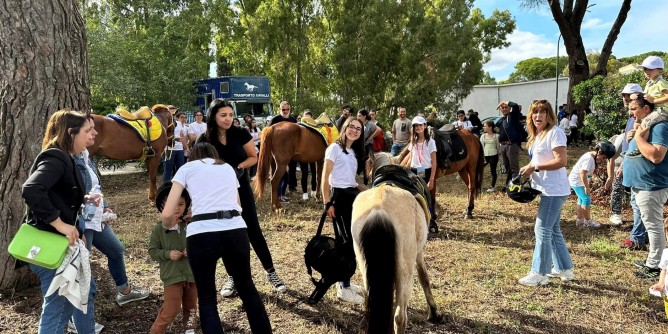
510,137
289,178
401,132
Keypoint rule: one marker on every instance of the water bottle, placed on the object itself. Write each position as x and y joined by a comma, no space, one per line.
90,208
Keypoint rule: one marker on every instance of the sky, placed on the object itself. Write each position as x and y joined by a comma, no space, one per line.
536,33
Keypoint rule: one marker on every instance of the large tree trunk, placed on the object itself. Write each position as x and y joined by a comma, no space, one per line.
44,68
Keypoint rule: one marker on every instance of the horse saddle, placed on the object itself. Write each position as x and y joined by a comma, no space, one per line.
450,146
313,128
402,177
141,114
146,129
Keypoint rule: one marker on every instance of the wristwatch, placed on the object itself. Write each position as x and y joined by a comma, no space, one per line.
535,167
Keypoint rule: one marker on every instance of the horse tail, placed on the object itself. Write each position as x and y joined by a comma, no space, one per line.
263,161
378,245
479,169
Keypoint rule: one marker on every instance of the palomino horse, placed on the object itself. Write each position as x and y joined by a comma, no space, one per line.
284,142
120,142
470,169
389,228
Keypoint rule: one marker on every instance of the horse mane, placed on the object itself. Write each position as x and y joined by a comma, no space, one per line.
158,106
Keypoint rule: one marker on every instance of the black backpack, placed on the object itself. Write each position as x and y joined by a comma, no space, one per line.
328,257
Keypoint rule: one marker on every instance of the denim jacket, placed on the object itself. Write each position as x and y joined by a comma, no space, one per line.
80,161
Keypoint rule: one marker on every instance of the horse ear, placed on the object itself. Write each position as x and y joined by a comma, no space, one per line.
371,155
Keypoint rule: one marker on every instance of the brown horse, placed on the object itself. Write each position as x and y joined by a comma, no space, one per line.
470,169
120,142
285,142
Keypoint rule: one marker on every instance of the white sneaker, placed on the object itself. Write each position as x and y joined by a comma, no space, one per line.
358,289
349,295
615,219
565,275
72,329
533,279
587,223
228,288
313,194
305,196
190,331
491,190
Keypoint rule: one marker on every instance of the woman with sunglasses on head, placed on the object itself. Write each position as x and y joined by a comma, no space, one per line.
235,146
217,231
340,168
54,193
645,171
547,170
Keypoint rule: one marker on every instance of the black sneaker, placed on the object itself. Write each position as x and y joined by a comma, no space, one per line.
648,273
639,263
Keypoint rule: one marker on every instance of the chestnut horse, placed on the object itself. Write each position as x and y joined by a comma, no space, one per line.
120,142
389,229
280,144
470,169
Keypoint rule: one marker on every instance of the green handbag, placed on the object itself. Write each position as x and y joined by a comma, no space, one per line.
42,248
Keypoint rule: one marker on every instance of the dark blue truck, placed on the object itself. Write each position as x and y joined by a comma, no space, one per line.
248,95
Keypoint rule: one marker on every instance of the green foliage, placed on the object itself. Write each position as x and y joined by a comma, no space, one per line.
488,79
639,58
537,69
609,116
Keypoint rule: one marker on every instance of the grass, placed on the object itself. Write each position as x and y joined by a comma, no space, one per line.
473,265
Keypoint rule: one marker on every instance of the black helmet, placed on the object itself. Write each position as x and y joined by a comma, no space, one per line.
521,192
162,193
606,148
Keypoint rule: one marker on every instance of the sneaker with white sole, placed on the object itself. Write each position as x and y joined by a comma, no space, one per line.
358,289
587,223
313,194
491,190
228,288
305,196
349,295
276,281
72,329
533,279
136,293
615,219
564,275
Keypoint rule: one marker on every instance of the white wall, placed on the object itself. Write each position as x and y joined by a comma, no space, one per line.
485,98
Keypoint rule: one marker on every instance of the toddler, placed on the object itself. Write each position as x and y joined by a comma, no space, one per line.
656,90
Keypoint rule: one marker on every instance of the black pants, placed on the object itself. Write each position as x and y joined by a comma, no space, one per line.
342,200
492,161
204,251
426,177
306,168
249,214
292,176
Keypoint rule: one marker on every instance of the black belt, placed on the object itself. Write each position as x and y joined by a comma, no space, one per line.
226,214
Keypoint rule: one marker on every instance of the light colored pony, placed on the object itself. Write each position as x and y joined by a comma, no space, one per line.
389,228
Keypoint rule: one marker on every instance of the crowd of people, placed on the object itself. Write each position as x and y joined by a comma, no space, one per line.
203,222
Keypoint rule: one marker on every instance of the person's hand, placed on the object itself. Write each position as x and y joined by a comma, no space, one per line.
630,135
608,184
658,287
97,198
362,187
527,170
185,252
430,184
642,132
618,172
70,231
175,255
188,216
587,190
331,213
649,98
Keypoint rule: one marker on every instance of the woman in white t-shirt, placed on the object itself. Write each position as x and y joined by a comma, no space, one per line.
196,128
339,173
565,125
423,159
175,156
547,168
462,122
573,124
217,231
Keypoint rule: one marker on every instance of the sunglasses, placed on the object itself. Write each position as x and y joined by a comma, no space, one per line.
539,101
285,109
354,128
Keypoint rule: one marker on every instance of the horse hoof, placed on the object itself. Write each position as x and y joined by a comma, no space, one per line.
468,216
436,318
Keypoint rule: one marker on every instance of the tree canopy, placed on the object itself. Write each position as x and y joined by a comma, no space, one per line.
537,69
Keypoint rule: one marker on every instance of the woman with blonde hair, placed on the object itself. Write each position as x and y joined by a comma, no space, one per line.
547,169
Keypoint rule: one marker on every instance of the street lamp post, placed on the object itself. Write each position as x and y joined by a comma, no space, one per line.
556,79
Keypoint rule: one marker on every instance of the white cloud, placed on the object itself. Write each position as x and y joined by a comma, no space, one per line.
524,45
595,23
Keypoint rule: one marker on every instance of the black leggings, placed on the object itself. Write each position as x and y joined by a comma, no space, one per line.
342,200
306,168
204,251
493,161
249,214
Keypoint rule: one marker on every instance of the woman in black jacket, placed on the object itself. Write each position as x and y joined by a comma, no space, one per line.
54,193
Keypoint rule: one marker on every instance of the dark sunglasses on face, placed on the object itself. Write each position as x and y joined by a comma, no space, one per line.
285,109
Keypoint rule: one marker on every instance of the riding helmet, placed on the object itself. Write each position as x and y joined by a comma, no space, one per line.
521,192
606,148
162,193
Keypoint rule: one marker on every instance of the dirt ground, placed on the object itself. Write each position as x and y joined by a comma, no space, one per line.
473,265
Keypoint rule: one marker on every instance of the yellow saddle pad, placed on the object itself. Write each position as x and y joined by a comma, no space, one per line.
154,126
329,132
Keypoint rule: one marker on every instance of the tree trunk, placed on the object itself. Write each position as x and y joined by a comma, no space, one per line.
44,68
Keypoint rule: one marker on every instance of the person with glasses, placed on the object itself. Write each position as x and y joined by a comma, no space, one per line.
175,155
645,171
196,128
289,178
547,170
340,169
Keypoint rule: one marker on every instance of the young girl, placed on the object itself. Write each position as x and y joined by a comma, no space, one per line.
660,287
423,160
168,247
580,180
491,147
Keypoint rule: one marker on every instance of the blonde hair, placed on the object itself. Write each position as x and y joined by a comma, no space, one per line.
551,118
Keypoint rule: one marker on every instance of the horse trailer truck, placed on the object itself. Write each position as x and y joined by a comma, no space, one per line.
248,95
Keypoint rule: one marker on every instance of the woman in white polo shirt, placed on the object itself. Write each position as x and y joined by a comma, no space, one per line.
217,231
339,174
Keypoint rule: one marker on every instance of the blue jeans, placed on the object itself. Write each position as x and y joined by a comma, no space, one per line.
396,148
638,232
283,184
176,159
550,244
107,242
57,310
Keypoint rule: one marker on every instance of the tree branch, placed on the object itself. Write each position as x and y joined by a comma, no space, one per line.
579,12
568,7
559,18
601,67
